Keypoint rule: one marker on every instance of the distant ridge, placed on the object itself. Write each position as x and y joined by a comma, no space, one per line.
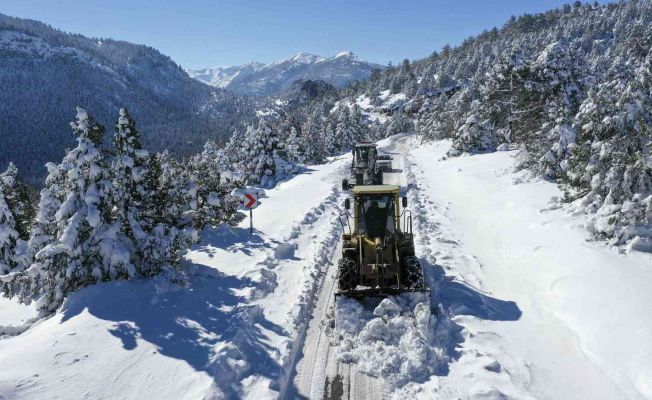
260,79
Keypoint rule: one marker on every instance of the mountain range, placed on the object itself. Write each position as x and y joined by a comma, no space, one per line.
259,79
45,73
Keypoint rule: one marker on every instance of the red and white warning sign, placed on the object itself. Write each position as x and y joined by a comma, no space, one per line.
249,201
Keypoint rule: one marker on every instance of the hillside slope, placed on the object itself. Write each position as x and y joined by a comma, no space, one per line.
46,73
570,87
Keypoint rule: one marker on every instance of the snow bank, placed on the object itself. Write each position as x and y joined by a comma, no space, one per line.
394,341
583,323
15,318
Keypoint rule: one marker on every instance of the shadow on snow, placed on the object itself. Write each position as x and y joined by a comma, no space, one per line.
231,239
188,323
452,298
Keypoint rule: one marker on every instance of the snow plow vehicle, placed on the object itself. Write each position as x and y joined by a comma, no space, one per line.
368,166
378,252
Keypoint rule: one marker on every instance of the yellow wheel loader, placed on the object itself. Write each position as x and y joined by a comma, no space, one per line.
378,252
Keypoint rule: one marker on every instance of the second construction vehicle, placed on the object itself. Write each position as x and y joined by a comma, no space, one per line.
378,252
367,166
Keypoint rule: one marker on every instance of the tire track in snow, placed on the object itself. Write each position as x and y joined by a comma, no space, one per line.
320,266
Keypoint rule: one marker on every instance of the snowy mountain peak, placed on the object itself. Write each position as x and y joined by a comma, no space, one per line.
346,54
274,78
305,58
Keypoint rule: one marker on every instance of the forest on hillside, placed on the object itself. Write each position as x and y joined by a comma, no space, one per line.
570,89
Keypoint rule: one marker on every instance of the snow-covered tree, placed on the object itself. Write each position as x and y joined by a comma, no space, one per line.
84,248
609,167
8,236
261,163
16,213
474,135
346,131
128,170
294,148
357,124
399,123
214,183
314,143
168,217
128,165
18,197
558,77
433,122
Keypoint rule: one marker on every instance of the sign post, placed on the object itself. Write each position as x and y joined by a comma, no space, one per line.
250,202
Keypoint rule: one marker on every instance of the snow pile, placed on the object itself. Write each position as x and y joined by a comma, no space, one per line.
396,341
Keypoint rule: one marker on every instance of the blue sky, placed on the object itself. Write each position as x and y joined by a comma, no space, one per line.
204,33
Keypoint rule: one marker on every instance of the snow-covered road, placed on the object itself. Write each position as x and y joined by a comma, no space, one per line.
319,375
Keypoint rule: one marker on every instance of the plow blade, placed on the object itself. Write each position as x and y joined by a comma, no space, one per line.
378,292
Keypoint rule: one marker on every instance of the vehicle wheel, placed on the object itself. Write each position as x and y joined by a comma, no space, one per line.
347,277
412,272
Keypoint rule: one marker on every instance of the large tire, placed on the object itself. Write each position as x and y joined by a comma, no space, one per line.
412,272
347,278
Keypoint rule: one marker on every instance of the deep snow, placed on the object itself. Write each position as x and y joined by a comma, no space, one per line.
572,321
228,334
522,305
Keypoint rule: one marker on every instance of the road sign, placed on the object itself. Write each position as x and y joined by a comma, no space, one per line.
248,197
249,201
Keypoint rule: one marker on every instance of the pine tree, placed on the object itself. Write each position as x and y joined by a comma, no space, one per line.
84,248
357,124
167,220
128,195
16,214
345,134
19,199
314,142
129,168
432,120
262,165
214,184
557,75
399,123
8,236
294,147
474,135
608,166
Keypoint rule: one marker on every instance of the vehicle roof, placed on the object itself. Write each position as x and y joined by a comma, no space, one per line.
365,144
376,189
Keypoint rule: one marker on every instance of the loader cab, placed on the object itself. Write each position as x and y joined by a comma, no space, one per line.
376,215
376,210
364,155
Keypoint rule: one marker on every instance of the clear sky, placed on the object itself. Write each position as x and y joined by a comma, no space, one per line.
206,33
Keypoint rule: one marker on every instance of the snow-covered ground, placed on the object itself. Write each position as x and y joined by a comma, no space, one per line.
229,334
522,305
542,312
